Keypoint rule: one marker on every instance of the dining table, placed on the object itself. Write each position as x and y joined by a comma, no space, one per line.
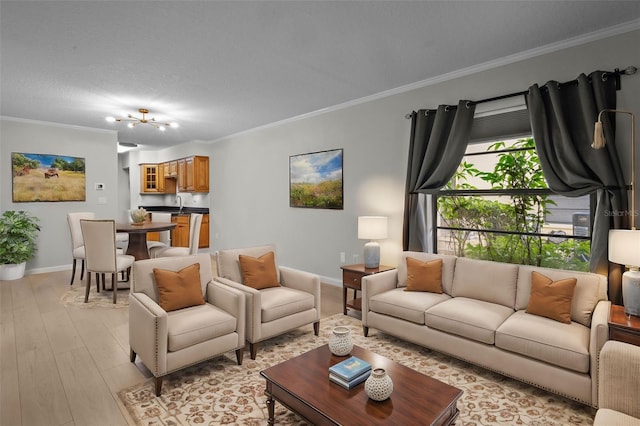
138,236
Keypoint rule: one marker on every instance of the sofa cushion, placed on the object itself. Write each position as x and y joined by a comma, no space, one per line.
409,306
551,299
448,264
470,318
179,289
279,302
484,280
229,265
259,272
564,345
197,324
590,289
424,276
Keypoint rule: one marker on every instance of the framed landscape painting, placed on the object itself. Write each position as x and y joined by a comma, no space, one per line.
315,180
45,177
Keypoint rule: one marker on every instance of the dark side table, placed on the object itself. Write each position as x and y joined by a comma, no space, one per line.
352,279
623,328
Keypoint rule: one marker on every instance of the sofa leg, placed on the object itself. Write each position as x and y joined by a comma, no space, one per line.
316,328
365,331
253,350
239,355
158,385
132,355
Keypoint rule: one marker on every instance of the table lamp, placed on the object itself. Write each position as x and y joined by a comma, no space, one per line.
624,244
372,228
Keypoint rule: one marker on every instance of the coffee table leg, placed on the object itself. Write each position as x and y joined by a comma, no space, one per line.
271,404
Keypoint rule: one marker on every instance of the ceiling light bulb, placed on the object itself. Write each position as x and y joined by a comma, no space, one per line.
162,128
110,119
130,125
174,125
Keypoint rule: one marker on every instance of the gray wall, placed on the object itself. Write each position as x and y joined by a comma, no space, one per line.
98,147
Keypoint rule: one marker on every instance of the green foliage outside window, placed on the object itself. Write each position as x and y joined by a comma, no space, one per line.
524,214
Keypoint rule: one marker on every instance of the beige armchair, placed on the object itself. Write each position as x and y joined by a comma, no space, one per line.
618,385
167,341
275,310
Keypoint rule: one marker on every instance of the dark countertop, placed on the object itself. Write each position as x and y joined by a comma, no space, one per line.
175,210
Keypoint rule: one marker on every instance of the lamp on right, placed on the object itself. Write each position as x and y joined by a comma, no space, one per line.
624,244
372,228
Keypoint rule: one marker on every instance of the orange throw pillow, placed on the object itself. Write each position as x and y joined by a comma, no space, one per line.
424,276
259,272
551,299
181,289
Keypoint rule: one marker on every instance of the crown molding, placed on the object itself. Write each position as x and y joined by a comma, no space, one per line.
60,125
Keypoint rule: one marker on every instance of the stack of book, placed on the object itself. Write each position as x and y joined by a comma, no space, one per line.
350,372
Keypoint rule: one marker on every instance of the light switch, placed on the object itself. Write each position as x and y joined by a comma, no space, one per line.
102,200
99,186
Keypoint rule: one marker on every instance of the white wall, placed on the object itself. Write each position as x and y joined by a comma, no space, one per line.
97,147
249,199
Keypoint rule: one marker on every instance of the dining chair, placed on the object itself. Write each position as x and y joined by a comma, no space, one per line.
101,255
164,236
77,243
194,240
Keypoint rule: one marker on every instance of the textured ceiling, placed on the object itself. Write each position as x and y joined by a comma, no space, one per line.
221,67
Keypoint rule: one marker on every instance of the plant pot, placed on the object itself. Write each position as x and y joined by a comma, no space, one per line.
12,271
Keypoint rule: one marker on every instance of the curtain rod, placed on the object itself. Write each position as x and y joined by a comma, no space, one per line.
616,73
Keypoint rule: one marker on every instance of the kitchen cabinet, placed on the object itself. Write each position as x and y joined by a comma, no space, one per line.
193,174
180,234
148,178
172,168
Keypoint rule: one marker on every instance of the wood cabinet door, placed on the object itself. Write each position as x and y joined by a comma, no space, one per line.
189,174
160,178
149,177
180,235
204,232
201,174
182,175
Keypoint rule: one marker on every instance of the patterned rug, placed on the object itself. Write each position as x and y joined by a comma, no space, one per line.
219,392
104,299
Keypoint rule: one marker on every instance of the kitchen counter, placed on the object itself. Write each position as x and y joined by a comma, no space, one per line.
175,210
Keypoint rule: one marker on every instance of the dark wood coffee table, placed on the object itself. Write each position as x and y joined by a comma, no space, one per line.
302,385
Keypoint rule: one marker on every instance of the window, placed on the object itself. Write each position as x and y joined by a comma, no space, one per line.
498,207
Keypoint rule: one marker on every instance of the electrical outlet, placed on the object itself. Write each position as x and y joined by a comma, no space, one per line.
343,257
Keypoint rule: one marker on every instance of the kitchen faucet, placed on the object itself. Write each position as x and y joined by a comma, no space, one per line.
179,200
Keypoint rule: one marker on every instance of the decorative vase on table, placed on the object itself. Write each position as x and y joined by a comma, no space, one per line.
340,343
378,385
138,216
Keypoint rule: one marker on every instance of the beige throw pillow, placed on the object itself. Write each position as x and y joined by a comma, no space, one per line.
259,272
181,289
551,299
424,276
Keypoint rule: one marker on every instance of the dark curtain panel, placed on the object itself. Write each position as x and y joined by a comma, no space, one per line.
438,142
562,120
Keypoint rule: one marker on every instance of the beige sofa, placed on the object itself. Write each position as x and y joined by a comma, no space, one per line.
481,318
619,385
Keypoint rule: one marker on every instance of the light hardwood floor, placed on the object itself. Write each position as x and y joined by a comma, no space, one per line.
63,365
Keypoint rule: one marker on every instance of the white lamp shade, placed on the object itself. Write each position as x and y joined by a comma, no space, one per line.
624,247
372,227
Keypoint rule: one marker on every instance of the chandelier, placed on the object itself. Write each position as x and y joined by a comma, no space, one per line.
132,121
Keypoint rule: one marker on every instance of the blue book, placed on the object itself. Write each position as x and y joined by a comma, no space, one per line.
350,368
352,383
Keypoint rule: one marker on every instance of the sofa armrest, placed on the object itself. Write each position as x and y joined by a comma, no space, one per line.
375,284
253,303
620,378
148,332
230,300
303,281
599,335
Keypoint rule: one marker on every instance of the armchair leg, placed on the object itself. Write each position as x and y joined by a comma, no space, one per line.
86,293
132,355
316,328
365,331
97,281
253,350
82,271
239,355
158,385
73,271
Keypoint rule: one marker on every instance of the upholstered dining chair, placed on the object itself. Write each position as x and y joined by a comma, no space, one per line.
164,239
278,299
195,222
179,316
77,244
101,253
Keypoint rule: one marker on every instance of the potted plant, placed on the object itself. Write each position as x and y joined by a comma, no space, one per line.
18,233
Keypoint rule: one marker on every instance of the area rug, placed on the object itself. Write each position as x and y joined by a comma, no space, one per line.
219,392
104,299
